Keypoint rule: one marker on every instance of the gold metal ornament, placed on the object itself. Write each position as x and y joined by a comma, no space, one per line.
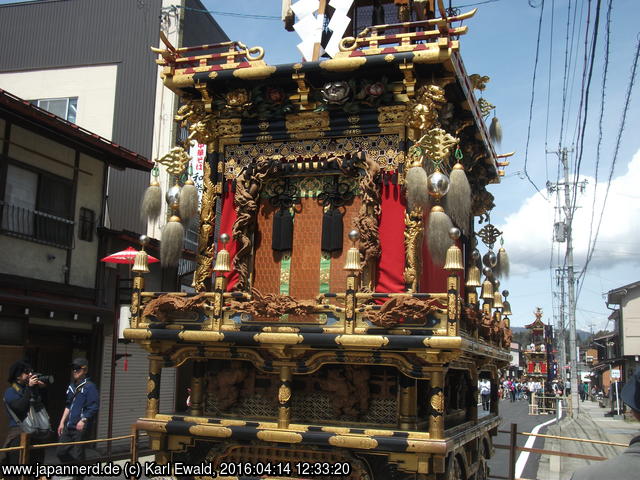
353,254
223,259
487,291
473,277
497,300
175,161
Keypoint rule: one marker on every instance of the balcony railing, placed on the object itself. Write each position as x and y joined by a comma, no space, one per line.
36,226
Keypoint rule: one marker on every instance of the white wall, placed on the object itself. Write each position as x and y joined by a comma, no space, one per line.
164,126
95,87
631,322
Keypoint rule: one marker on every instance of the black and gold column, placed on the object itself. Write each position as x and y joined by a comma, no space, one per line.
284,397
354,267
453,265
408,392
140,267
197,387
222,266
436,399
153,386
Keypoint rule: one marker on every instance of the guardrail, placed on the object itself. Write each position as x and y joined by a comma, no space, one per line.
26,447
514,448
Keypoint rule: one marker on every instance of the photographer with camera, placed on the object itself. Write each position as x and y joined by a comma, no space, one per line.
81,409
18,400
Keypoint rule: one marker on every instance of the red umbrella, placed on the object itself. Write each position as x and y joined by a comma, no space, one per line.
126,256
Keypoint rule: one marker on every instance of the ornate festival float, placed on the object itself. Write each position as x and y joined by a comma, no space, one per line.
336,327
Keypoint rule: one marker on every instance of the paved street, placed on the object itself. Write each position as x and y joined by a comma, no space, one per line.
518,412
590,423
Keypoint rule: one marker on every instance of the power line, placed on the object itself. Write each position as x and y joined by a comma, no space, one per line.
546,130
233,14
533,91
600,133
596,28
616,152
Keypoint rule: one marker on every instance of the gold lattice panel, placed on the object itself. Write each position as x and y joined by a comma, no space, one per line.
384,149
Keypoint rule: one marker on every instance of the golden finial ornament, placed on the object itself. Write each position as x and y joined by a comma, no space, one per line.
141,260
453,261
506,306
487,291
473,277
353,254
497,300
223,259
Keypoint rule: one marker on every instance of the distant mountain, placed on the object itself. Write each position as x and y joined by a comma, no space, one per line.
582,334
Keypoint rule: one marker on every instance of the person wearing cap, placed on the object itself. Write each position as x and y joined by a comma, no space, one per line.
627,465
18,398
81,410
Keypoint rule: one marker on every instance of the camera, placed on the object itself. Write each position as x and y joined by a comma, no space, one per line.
46,379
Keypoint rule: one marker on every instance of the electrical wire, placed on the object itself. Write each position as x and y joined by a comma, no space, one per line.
533,90
565,77
600,121
596,28
232,14
546,130
623,121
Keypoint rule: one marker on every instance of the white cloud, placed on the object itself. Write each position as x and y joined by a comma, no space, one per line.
528,232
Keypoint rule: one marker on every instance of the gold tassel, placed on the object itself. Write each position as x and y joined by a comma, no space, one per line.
438,235
458,199
503,263
417,188
151,202
188,200
495,130
171,245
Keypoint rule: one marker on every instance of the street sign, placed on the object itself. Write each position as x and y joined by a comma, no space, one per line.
615,374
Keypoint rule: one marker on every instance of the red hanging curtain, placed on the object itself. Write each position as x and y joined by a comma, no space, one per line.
390,273
226,226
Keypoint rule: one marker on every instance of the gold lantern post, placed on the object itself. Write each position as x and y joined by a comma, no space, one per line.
222,266
453,264
354,268
140,267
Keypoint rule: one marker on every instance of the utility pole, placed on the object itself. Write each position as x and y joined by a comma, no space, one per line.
570,284
561,327
564,233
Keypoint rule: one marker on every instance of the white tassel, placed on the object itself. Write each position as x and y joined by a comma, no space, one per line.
417,188
458,199
438,235
502,269
151,202
495,130
188,200
172,239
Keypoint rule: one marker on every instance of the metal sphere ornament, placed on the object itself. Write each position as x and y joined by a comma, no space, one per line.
438,185
224,238
490,259
454,233
173,195
475,254
505,293
496,284
354,235
487,272
144,240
